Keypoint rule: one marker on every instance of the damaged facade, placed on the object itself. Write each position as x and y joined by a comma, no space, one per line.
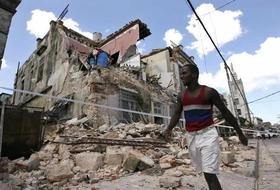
58,67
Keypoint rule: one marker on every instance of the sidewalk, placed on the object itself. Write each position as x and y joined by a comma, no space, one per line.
269,173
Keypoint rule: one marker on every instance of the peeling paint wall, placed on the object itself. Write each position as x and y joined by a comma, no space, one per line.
122,42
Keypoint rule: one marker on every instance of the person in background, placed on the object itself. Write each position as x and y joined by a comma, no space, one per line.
98,58
197,102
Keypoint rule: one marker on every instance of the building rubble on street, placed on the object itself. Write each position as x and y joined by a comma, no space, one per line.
94,136
68,159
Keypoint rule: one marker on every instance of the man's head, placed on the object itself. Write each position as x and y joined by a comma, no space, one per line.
189,74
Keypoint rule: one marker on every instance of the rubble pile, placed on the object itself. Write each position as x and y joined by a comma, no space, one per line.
59,165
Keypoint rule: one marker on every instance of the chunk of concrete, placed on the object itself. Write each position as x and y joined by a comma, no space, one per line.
169,182
136,159
183,154
113,156
32,163
228,157
167,161
130,163
234,139
61,171
91,161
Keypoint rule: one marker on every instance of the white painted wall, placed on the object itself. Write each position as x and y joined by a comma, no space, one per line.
132,61
159,64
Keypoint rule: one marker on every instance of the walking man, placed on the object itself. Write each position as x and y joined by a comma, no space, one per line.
203,140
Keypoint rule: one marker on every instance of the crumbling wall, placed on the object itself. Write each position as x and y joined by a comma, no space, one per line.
39,71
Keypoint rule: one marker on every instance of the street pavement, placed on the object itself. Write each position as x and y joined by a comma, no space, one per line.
269,168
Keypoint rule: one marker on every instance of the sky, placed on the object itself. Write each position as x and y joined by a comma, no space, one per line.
246,32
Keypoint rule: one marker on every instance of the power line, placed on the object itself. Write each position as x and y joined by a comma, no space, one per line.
264,97
203,52
220,7
268,101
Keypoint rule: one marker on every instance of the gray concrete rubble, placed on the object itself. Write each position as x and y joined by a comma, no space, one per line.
98,166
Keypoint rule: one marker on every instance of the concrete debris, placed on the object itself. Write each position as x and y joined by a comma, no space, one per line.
60,171
183,154
169,182
28,165
234,139
80,166
228,157
167,161
89,161
114,156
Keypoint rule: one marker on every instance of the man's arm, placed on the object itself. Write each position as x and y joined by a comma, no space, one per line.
216,100
174,119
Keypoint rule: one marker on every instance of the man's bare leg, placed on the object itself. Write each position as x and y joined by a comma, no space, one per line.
212,181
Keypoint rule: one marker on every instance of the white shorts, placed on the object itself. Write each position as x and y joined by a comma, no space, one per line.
204,150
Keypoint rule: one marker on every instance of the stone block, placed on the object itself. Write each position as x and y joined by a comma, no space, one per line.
114,158
130,163
228,157
167,161
32,163
234,139
169,182
91,161
183,154
136,159
61,171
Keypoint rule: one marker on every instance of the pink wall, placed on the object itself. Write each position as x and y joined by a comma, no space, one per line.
122,42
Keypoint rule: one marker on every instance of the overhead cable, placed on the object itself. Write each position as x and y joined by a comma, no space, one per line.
264,97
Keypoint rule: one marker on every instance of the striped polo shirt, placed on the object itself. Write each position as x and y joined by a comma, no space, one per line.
197,111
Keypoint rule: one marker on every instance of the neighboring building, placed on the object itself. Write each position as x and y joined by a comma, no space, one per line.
7,11
266,124
240,102
257,121
165,64
58,68
5,97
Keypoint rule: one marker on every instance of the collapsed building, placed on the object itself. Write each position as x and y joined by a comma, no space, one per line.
59,68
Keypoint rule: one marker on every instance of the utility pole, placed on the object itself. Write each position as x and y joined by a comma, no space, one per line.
2,126
15,85
232,97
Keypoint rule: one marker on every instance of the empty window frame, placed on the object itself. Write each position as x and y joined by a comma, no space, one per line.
128,101
41,69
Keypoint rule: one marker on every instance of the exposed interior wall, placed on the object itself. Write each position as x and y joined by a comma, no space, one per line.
122,42
133,61
159,64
